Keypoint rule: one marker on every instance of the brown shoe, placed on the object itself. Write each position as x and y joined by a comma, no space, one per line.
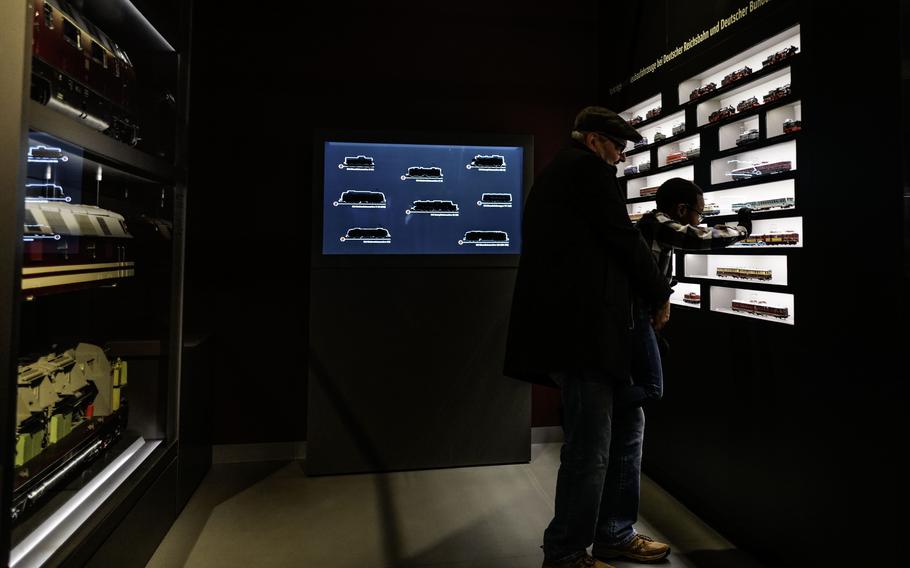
641,548
581,562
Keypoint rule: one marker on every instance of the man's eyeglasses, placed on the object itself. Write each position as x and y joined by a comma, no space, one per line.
619,144
701,214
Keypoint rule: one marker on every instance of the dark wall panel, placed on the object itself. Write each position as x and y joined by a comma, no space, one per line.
405,371
264,80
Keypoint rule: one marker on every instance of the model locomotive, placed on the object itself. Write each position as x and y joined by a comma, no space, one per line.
674,157
648,191
760,308
747,104
791,125
766,204
70,407
658,136
744,273
692,298
779,56
70,246
721,114
702,91
776,94
654,112
787,238
679,128
760,169
736,76
636,120
748,136
79,71
642,142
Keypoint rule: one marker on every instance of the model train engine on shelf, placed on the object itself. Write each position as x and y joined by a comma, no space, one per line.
757,169
777,94
779,56
642,142
674,157
702,91
70,407
791,125
658,136
748,136
722,113
679,128
760,308
654,112
736,76
782,238
744,273
692,298
71,246
636,120
77,70
766,204
747,104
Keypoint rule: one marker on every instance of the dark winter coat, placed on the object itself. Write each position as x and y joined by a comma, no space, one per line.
581,262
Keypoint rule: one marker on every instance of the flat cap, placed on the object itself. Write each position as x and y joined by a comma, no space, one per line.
600,119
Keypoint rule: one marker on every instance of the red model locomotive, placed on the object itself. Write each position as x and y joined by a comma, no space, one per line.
79,71
779,56
736,76
702,91
721,114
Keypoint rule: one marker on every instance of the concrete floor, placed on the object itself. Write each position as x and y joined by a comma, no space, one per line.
269,514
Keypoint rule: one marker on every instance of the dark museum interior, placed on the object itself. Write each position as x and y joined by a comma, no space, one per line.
203,209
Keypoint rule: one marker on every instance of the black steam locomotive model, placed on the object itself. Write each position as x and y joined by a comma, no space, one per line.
721,114
736,76
702,91
654,112
747,104
79,71
779,56
791,125
778,93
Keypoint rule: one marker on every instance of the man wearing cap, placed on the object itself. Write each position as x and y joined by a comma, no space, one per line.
581,263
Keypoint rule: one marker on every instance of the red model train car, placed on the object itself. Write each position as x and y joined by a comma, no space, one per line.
692,298
79,71
760,308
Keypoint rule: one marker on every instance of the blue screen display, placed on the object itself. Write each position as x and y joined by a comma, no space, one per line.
421,199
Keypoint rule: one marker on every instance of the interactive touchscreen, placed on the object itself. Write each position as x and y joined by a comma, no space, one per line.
421,199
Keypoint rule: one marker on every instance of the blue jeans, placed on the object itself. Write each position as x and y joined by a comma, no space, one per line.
647,375
597,488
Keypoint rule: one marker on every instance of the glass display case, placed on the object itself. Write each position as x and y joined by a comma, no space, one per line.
736,133
93,186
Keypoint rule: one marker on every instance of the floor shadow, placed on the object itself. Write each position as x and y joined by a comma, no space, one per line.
392,541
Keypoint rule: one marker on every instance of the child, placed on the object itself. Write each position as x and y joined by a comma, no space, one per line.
673,225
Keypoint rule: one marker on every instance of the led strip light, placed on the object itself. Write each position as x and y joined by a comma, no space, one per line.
40,545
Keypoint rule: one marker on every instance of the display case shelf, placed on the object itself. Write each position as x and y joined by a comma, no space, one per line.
772,307
679,294
60,126
755,88
102,208
752,58
792,174
641,109
758,271
663,125
661,170
757,145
